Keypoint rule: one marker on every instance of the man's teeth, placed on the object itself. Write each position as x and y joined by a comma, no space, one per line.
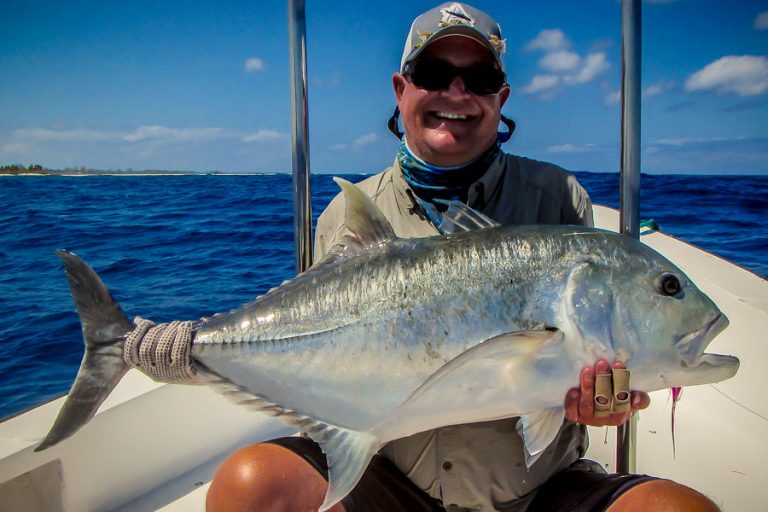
448,115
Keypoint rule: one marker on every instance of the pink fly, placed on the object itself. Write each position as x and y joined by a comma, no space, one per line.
677,392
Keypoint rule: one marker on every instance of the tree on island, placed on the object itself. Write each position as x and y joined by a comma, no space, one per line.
20,169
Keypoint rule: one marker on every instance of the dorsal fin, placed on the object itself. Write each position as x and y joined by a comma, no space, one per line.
366,223
458,218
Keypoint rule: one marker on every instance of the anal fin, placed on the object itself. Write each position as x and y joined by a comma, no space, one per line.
538,429
348,453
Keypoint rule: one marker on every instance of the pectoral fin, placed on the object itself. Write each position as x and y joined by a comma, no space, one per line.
538,429
483,383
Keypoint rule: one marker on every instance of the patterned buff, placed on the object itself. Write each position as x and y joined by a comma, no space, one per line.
431,182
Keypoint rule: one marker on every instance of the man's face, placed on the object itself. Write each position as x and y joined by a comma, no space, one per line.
453,126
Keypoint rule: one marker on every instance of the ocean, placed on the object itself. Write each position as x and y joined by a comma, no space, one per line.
182,247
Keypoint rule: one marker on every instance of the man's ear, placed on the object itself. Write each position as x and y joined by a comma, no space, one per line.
398,84
503,95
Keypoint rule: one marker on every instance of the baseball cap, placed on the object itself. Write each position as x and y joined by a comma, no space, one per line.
453,18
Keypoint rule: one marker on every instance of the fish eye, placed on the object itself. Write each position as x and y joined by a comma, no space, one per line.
669,284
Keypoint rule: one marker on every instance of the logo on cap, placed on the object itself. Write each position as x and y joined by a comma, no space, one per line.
455,14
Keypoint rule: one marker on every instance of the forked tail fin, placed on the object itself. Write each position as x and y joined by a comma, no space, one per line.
104,328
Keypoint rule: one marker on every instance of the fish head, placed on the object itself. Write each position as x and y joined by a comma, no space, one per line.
631,304
662,324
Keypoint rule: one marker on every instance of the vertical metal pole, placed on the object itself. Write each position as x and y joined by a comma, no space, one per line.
302,206
631,44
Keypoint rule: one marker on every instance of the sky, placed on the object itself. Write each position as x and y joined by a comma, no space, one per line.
204,86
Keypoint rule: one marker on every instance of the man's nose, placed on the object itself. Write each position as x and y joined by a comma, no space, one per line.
457,87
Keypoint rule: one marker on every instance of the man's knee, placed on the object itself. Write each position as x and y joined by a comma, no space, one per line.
265,477
662,496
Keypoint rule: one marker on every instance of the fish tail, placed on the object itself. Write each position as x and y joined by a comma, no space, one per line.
104,328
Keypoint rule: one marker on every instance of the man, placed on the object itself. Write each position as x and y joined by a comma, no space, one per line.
449,91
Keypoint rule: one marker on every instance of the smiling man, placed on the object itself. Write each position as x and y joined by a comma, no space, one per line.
450,90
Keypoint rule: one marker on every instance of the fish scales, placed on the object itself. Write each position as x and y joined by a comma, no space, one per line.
420,311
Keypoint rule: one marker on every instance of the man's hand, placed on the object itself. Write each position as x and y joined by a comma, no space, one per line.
580,403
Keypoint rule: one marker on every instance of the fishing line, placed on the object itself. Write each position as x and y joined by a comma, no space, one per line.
739,404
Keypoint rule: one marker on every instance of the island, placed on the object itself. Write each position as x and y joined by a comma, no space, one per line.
39,170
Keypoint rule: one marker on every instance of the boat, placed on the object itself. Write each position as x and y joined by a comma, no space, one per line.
155,447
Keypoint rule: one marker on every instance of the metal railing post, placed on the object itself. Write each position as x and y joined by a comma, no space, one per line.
302,205
631,44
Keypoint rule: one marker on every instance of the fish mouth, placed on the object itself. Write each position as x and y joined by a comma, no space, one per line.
719,361
691,346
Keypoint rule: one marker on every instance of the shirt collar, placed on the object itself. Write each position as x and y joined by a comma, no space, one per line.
477,191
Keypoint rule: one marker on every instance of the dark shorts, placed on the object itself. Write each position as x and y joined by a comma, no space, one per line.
383,488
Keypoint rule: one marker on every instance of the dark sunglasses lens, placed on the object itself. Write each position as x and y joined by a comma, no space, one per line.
437,75
433,75
483,79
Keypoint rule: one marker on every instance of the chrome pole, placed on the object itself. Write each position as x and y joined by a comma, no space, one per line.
631,44
302,206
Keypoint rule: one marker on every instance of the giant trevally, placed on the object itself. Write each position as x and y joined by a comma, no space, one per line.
386,337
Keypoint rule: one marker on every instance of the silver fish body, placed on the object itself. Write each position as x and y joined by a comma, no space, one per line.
382,323
387,337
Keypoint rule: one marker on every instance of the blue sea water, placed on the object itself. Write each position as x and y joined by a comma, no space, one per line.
181,247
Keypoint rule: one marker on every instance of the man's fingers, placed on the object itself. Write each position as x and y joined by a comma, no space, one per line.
621,402
572,405
603,395
640,400
587,393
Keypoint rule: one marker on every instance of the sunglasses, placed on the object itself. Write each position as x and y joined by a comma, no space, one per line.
437,75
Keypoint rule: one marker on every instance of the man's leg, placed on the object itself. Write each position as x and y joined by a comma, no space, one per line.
266,477
290,475
585,487
662,496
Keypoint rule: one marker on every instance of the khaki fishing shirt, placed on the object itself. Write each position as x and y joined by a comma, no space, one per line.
478,466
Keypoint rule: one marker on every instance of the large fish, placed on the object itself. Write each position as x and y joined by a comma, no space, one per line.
386,337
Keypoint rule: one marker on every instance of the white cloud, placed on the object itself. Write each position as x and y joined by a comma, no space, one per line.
166,134
594,64
360,142
570,148
745,75
369,138
687,141
613,98
563,67
150,136
541,83
653,90
761,22
561,60
333,80
254,64
264,135
162,134
548,40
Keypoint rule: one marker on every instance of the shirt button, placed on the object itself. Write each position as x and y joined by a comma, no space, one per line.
447,465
